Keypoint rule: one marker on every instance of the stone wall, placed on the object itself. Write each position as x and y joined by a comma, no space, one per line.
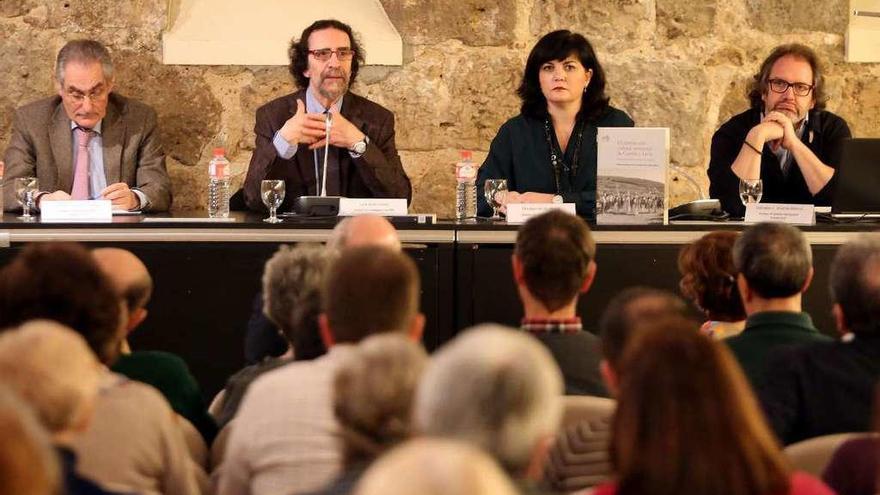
677,63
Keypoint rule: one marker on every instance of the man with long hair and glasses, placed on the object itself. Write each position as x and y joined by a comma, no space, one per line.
787,138
291,131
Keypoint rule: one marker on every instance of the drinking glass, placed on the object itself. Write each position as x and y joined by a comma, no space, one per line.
750,190
495,191
272,192
25,190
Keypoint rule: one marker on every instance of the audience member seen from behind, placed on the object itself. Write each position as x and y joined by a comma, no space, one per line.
133,440
292,282
687,422
165,371
553,264
579,457
433,466
52,368
774,267
854,469
499,390
368,290
372,400
547,153
28,465
828,387
263,338
708,279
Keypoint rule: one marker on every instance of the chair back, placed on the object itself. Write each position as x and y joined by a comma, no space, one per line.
812,455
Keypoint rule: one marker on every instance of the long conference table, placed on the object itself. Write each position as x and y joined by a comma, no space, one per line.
206,273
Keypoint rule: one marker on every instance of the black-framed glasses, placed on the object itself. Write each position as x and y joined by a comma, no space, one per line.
324,54
781,86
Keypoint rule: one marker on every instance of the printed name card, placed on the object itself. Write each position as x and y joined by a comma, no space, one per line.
388,207
97,210
780,213
522,212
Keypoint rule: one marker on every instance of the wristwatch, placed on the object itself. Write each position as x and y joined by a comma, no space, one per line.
558,199
360,147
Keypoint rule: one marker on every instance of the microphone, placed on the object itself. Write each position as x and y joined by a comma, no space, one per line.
328,123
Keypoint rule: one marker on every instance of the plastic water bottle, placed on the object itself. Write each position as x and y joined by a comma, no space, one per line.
465,187
218,185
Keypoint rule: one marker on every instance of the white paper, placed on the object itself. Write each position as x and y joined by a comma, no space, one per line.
522,212
631,186
780,213
388,207
95,210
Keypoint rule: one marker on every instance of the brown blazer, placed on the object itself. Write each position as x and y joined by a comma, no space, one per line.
378,173
42,145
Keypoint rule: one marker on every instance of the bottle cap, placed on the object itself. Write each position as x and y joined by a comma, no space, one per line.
465,154
219,152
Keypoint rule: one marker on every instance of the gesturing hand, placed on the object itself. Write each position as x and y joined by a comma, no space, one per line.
293,130
343,133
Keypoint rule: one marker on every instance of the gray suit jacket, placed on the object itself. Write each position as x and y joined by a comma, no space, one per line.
42,145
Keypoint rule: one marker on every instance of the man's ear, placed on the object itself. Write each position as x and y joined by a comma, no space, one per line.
416,328
135,318
324,329
808,280
609,377
839,320
589,277
518,275
745,292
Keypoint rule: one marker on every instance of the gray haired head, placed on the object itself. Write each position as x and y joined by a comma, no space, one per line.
83,52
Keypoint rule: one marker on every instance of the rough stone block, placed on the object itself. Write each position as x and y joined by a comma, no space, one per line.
610,25
473,22
783,16
685,18
451,96
189,115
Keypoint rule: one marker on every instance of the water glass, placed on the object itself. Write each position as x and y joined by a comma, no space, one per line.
272,192
495,191
25,191
750,190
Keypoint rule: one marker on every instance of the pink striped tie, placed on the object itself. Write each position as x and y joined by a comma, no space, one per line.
81,172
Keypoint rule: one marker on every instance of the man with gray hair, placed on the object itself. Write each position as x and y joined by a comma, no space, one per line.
775,267
498,389
828,387
88,142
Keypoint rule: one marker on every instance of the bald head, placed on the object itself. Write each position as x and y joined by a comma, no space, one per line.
129,275
364,230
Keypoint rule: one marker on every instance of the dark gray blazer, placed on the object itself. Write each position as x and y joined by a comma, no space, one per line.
376,174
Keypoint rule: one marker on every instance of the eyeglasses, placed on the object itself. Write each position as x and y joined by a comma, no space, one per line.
781,86
324,54
94,95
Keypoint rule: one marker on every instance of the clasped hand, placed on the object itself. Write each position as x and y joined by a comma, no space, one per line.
310,128
778,130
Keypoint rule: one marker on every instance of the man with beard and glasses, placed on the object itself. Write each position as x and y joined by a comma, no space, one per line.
787,139
362,159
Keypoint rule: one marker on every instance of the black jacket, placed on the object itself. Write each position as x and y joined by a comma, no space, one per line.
824,136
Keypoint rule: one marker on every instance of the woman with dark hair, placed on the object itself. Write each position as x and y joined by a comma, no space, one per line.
687,423
708,279
548,152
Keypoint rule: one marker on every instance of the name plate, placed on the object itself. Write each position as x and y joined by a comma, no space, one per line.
387,207
780,213
522,212
97,210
